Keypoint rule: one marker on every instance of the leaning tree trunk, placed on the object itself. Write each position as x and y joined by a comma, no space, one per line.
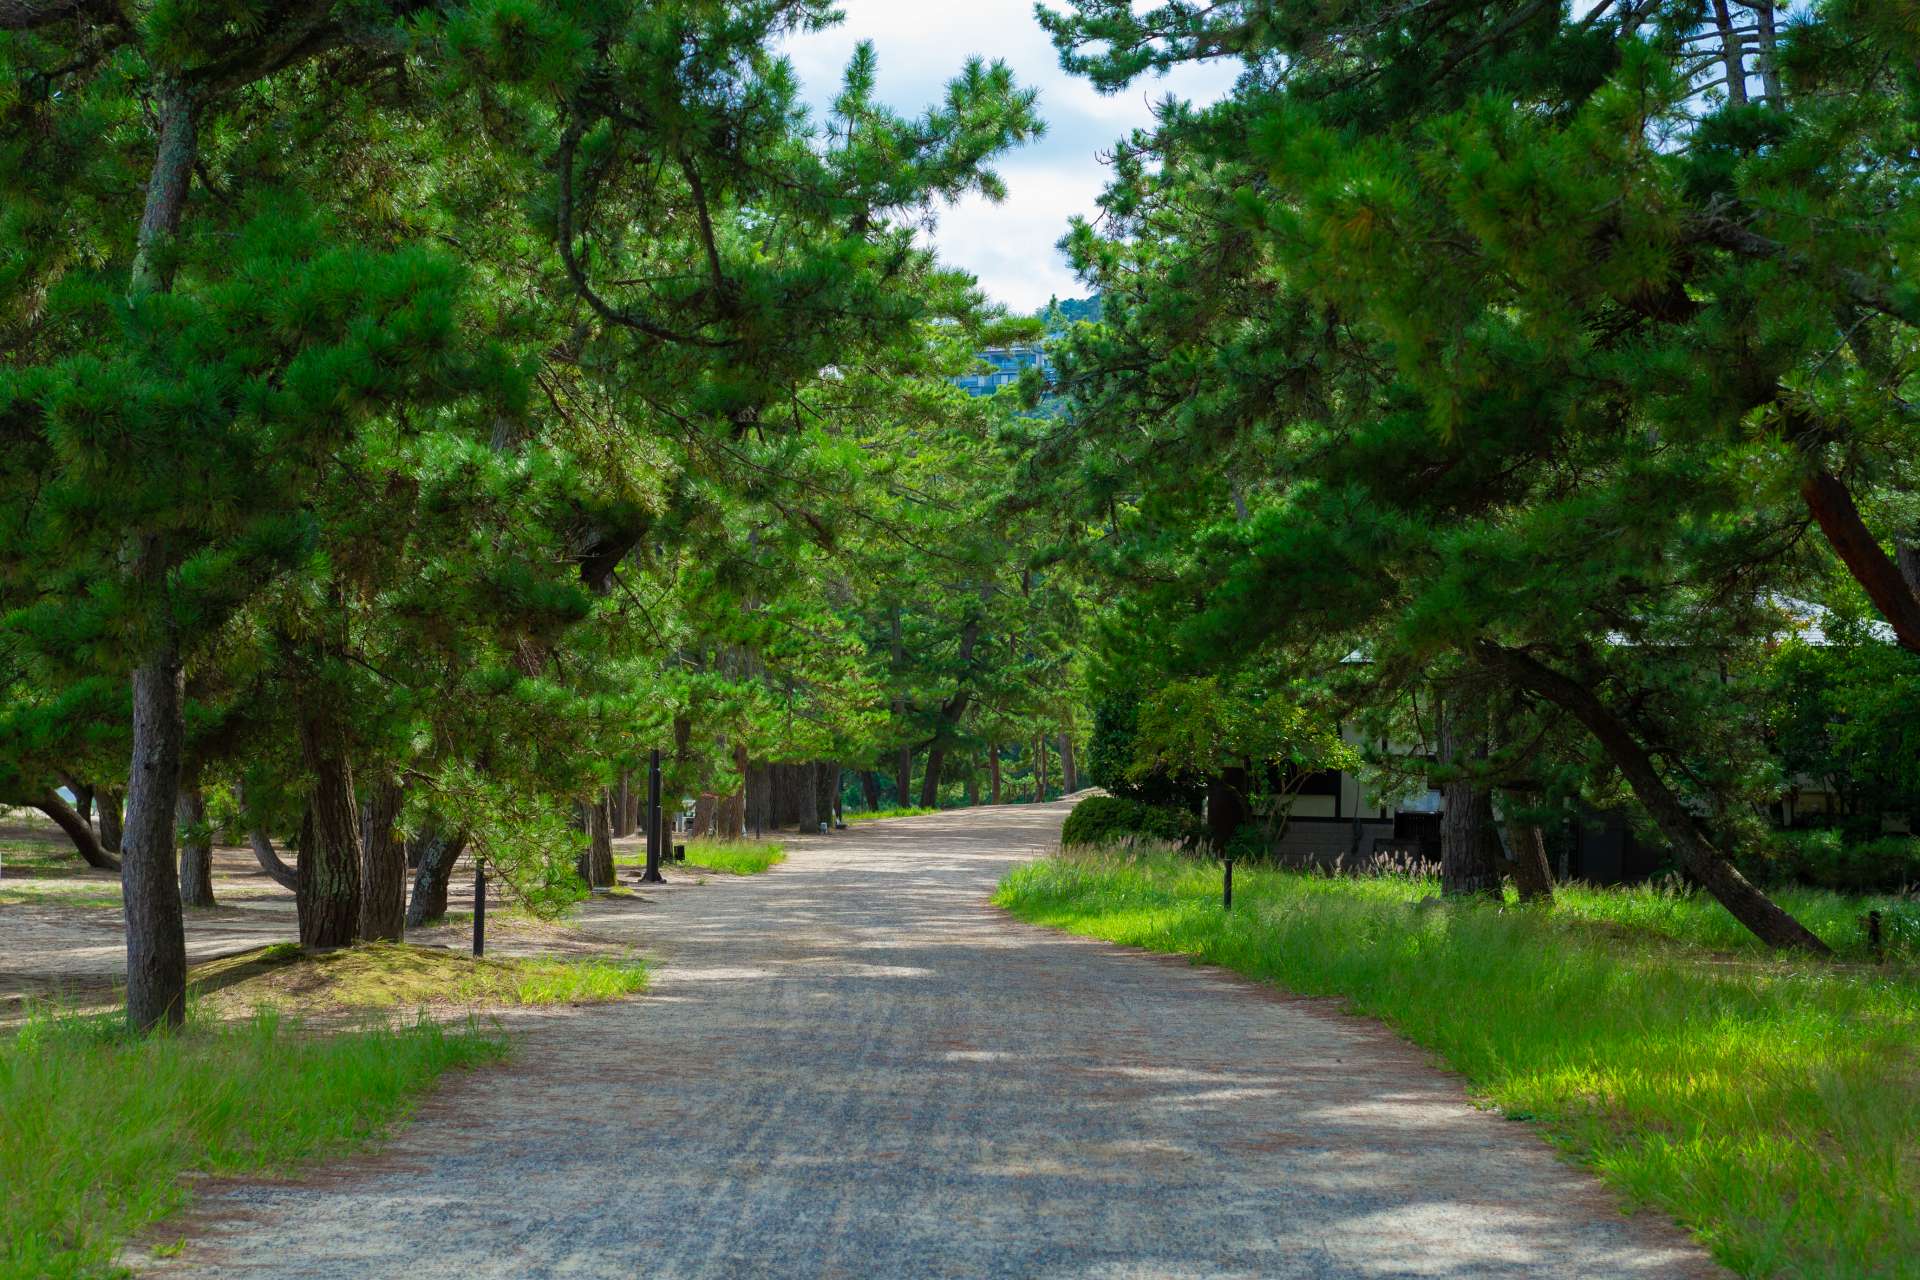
270,861
196,848
1695,853
107,804
383,865
149,879
596,863
328,895
437,852
84,838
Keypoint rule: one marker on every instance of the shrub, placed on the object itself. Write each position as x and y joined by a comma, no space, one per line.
1101,820
1823,859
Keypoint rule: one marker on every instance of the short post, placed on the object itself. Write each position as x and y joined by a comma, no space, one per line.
479,905
1226,888
652,874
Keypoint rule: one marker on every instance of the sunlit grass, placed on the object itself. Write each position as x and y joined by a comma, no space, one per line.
97,1127
1772,1105
874,815
77,892
736,857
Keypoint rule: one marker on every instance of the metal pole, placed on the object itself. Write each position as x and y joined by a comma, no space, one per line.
479,905
652,875
1226,892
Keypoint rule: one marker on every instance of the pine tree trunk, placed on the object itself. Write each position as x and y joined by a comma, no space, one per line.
149,879
870,789
704,806
270,861
903,778
1039,768
1069,770
826,779
85,840
1527,845
973,789
107,802
993,772
806,811
328,896
438,852
383,865
1695,853
596,864
930,780
759,783
196,848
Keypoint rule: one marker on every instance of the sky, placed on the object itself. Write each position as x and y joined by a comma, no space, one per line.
920,45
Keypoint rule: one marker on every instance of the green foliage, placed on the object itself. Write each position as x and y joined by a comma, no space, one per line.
1825,859
1767,1105
1100,820
97,1130
1841,716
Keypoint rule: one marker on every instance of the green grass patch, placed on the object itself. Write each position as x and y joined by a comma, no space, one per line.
874,815
388,975
97,1127
736,857
1772,1105
97,894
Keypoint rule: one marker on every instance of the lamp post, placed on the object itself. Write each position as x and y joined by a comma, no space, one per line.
652,874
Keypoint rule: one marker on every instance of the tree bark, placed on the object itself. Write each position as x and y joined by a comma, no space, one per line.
383,865
107,804
1527,846
806,812
1839,519
1069,771
993,772
85,840
704,806
1730,55
826,778
1696,854
903,778
870,789
328,896
438,852
1039,768
596,864
270,862
196,848
149,879
759,797
1468,868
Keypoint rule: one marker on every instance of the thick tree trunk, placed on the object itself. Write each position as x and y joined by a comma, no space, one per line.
1832,507
438,851
870,789
704,807
1069,771
993,773
196,848
806,809
383,865
149,880
903,778
1696,854
1469,845
759,796
596,864
107,803
930,779
973,788
1730,54
1227,806
328,896
85,840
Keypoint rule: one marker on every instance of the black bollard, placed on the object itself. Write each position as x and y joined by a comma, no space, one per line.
479,905
1226,889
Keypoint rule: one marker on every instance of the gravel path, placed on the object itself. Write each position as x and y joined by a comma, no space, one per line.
853,1066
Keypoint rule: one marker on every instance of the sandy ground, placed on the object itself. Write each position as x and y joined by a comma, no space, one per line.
854,1066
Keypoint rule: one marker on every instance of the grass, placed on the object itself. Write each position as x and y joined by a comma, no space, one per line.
874,815
97,1128
389,975
1771,1105
60,893
736,857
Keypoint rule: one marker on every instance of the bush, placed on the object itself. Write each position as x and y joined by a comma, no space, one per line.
1101,820
1823,859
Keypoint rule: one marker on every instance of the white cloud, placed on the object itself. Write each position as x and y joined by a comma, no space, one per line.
1009,246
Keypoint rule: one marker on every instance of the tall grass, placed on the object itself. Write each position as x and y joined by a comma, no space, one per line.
736,857
903,811
97,1127
1772,1105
